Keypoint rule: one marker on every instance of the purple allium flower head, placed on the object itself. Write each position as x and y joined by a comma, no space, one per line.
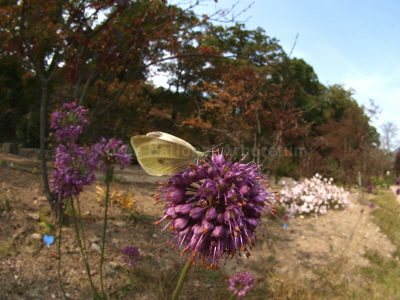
370,188
372,205
74,165
398,191
214,208
69,122
110,153
398,180
131,256
73,170
241,283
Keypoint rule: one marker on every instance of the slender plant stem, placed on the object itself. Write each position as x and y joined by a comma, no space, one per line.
182,278
59,249
231,297
83,248
83,240
103,239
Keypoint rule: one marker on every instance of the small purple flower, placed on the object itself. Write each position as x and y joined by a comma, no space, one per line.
398,180
372,205
69,122
73,170
241,283
370,188
214,209
111,153
398,191
130,255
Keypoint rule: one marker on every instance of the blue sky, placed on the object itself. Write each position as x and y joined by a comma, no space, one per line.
350,42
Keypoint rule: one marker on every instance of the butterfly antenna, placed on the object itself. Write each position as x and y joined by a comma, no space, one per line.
213,148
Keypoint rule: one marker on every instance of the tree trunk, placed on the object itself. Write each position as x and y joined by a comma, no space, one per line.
43,113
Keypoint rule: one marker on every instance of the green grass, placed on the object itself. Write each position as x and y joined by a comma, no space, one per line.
387,218
5,204
381,279
130,216
8,248
46,225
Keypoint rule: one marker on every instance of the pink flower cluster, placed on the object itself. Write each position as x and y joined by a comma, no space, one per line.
313,196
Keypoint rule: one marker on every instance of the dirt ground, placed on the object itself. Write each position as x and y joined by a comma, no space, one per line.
28,268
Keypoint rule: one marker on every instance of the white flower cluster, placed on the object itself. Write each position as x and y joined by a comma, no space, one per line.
315,195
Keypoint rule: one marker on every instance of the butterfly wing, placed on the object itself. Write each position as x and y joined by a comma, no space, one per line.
174,139
161,156
170,138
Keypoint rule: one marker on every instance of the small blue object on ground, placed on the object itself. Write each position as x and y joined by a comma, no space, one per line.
48,239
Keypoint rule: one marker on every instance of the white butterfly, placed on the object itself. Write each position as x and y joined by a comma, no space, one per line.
161,153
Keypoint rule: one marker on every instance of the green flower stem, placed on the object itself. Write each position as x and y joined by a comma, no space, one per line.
83,247
59,249
109,174
181,279
231,297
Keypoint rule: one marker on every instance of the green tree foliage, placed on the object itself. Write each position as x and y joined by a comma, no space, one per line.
345,144
19,114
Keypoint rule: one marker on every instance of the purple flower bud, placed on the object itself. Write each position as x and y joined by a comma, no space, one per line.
218,159
220,219
244,190
193,175
183,209
170,212
180,223
211,173
196,213
187,233
229,176
201,174
207,225
218,231
211,214
197,230
176,195
251,223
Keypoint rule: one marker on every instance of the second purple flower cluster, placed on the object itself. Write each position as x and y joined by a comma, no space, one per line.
75,165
